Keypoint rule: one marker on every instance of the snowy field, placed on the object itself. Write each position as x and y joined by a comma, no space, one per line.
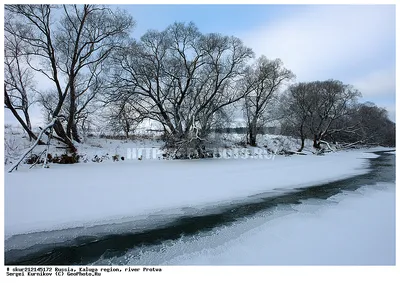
66,196
351,228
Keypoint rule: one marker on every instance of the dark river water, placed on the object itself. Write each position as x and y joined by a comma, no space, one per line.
85,250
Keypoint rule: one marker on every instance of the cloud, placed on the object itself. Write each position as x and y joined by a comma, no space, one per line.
355,44
320,41
377,85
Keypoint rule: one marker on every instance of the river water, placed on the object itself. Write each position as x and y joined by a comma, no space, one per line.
119,248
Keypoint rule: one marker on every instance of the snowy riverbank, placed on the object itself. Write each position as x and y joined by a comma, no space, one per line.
87,194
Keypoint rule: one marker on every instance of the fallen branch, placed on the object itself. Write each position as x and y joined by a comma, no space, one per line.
51,124
328,145
351,144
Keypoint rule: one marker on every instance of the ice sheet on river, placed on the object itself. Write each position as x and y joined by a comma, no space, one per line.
351,228
86,195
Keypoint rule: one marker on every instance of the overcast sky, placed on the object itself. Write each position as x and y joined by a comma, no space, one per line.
351,43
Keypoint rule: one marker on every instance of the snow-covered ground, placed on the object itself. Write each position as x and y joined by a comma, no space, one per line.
106,198
351,228
93,193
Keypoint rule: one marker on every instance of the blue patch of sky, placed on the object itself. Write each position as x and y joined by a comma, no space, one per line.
225,19
238,19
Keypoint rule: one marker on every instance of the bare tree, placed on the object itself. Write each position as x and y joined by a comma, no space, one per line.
87,36
264,79
70,52
296,106
18,78
315,108
331,100
181,79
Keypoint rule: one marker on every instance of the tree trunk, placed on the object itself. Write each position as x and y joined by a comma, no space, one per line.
252,139
127,128
70,118
28,122
59,129
253,134
74,131
316,143
302,145
302,136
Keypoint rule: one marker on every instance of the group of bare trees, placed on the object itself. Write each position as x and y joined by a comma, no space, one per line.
329,111
184,80
69,46
312,109
367,124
